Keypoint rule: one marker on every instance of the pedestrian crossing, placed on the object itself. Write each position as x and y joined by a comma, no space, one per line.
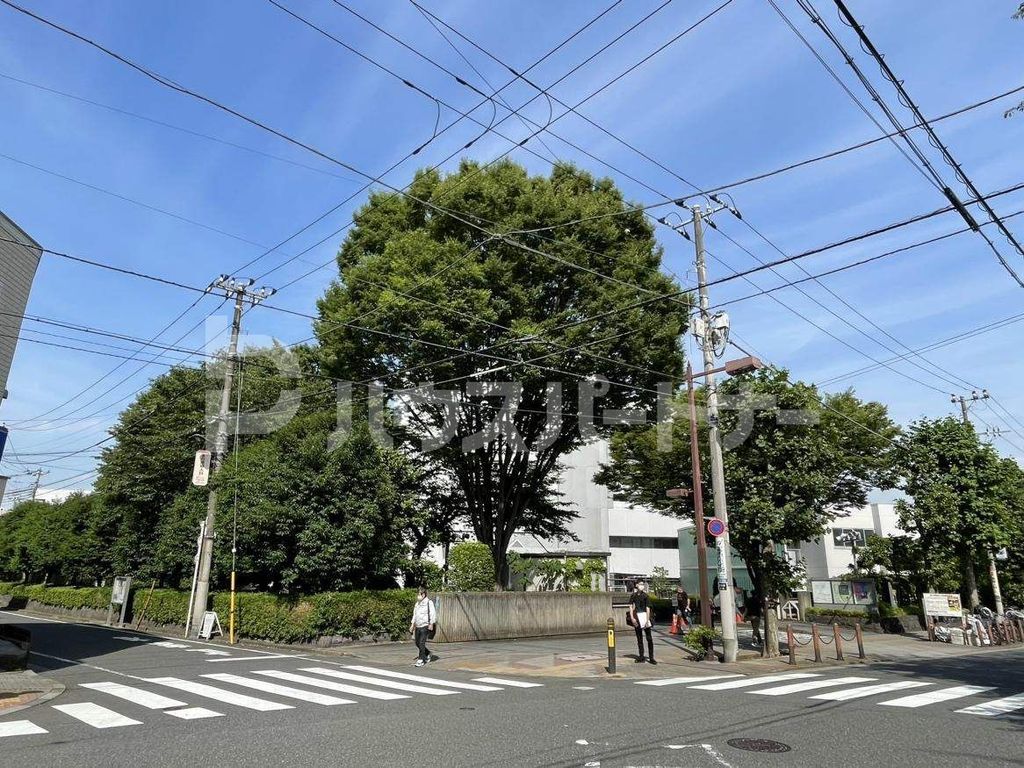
115,704
850,688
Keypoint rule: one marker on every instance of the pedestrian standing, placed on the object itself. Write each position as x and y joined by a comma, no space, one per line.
683,606
424,617
754,615
642,612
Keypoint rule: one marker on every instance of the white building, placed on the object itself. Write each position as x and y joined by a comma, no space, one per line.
631,540
831,556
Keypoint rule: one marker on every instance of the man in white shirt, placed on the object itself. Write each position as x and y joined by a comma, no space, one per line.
424,616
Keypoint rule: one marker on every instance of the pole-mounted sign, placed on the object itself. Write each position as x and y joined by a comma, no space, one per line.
716,527
201,468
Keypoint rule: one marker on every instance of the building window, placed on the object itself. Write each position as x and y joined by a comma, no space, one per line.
643,542
851,537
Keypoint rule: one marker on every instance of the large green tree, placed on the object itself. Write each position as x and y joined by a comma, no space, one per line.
457,266
795,459
958,491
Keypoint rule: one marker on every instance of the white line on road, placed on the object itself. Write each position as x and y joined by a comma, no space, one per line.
218,694
95,715
868,690
749,681
934,697
281,690
194,713
74,662
683,680
782,690
330,685
707,748
19,728
396,685
421,679
512,683
258,658
146,699
996,706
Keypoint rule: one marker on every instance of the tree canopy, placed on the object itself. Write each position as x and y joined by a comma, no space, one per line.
516,274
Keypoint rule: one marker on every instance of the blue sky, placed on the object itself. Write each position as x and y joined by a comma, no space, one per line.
738,95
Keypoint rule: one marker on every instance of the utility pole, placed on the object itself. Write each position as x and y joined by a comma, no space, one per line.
35,486
242,292
730,645
993,574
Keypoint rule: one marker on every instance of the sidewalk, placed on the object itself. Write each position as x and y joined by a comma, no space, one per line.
20,690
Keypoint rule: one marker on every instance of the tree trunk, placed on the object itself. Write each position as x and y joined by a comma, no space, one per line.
770,648
971,581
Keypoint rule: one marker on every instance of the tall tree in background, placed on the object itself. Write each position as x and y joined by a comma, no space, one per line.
957,489
794,460
409,269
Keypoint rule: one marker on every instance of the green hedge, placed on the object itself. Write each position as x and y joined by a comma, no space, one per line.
837,612
261,616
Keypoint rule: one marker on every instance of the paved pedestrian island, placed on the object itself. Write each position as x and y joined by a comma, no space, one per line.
825,687
133,700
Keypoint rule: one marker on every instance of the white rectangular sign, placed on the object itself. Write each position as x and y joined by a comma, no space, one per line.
201,468
939,604
119,592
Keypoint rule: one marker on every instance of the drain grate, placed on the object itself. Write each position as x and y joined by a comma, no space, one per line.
759,745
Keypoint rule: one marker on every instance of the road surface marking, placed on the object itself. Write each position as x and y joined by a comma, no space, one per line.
131,638
683,680
713,753
281,690
512,683
168,644
95,715
782,690
934,697
207,651
421,679
583,687
996,706
76,662
749,681
396,685
146,699
218,694
194,713
19,728
868,690
257,658
330,685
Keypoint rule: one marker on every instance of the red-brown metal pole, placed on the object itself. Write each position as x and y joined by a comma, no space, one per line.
698,505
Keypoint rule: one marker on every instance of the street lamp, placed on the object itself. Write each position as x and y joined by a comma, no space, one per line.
731,368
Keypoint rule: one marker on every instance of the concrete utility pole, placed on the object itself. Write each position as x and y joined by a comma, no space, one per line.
242,292
993,574
730,645
35,486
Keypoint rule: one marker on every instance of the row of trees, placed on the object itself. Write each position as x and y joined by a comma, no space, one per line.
580,308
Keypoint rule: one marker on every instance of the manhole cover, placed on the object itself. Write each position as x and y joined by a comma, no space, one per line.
759,745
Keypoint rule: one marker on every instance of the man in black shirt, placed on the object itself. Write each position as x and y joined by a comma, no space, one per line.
643,618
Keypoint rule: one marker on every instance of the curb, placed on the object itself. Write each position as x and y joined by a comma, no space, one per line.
51,689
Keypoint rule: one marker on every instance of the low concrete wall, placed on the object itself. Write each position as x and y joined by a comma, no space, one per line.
466,616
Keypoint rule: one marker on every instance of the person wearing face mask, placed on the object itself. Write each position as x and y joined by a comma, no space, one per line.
642,611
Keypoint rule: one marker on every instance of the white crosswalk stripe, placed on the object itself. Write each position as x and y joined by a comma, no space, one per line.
194,713
934,697
146,699
510,683
683,680
330,685
219,694
281,690
421,679
750,681
813,685
996,706
95,715
868,690
396,685
20,728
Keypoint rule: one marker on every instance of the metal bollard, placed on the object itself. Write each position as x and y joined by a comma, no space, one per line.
791,642
611,646
817,642
838,640
860,640
930,621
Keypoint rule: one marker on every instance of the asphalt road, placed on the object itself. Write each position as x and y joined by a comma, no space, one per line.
128,696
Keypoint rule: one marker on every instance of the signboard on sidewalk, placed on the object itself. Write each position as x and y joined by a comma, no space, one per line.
119,597
210,626
940,604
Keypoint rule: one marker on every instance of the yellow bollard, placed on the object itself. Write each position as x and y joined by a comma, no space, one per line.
231,613
611,646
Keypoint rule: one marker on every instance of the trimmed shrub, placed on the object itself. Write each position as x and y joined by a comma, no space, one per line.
470,568
261,616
